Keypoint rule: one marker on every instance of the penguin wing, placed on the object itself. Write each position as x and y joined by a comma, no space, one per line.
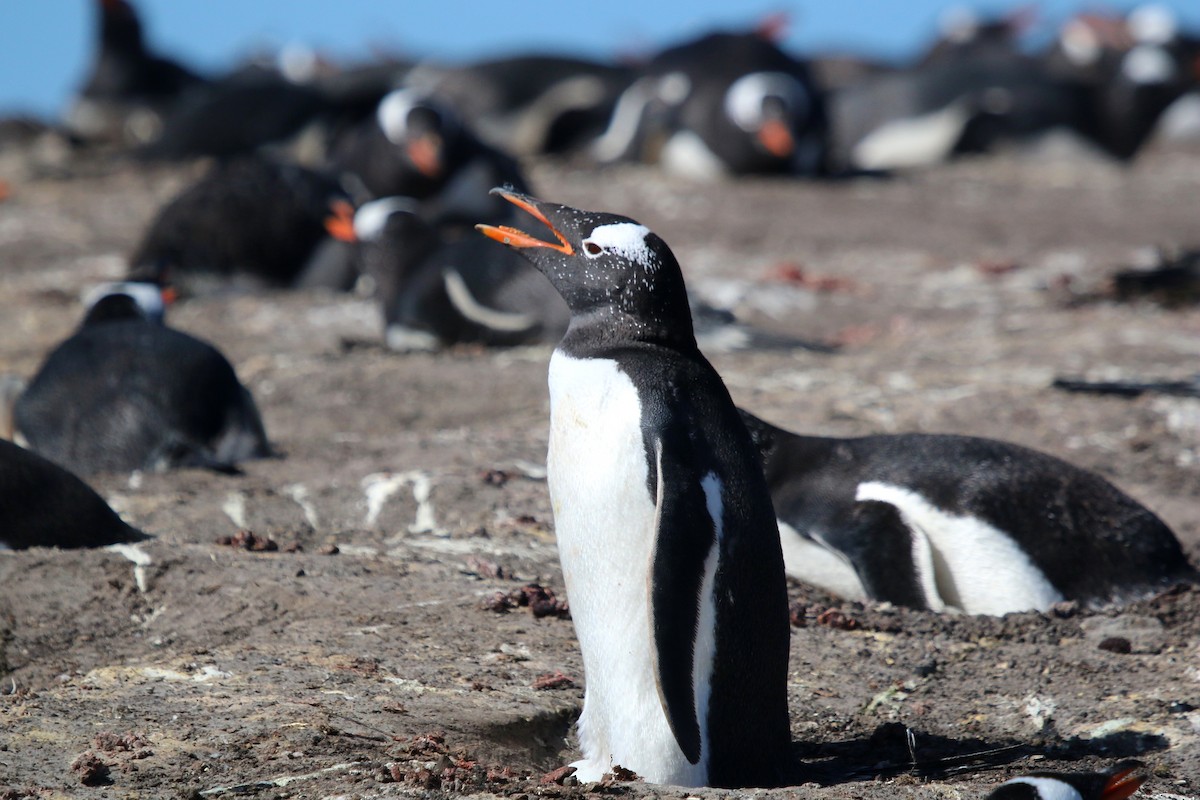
685,535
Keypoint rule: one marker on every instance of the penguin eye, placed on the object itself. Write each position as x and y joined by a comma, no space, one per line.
592,249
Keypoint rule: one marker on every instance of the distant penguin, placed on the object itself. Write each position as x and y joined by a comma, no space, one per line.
252,221
723,104
957,522
438,290
236,116
668,542
1118,783
129,88
44,505
416,145
125,393
530,104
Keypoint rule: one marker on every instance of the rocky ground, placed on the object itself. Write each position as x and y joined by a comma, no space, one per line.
369,639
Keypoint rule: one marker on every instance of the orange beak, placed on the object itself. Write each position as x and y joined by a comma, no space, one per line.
425,153
515,238
5,191
340,222
777,138
1122,785
169,295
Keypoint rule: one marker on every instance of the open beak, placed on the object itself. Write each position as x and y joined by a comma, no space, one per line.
777,138
340,222
1122,784
515,238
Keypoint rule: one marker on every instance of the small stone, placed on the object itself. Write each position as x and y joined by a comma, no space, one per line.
1116,644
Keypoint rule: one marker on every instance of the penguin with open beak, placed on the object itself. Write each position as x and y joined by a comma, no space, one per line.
1118,783
665,528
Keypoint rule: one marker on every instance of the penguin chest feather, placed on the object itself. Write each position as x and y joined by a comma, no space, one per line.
606,522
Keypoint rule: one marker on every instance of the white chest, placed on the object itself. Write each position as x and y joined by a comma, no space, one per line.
604,520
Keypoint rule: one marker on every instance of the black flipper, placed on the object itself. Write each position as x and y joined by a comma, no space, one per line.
685,534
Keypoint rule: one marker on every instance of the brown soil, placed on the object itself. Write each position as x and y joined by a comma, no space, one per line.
369,655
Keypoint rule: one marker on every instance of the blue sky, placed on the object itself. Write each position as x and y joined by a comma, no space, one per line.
45,45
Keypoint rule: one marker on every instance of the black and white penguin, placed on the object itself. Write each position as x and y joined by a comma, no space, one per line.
439,290
416,145
723,104
666,534
129,88
252,221
126,393
1118,783
44,505
957,522
530,104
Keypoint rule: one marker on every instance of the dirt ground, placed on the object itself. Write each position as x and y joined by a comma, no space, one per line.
391,667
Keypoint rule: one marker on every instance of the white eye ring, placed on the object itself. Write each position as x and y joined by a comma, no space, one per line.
591,249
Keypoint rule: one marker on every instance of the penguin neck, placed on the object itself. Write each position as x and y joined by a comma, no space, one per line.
607,328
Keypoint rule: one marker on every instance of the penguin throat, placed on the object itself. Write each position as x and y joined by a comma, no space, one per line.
610,325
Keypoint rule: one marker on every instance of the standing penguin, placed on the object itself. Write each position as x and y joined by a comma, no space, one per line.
1118,783
666,534
125,392
941,521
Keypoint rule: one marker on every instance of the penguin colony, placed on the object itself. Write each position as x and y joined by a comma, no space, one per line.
677,514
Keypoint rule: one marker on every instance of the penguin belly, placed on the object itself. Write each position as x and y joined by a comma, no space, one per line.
963,561
605,523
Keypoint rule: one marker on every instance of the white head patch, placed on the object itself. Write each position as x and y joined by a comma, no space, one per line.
1148,63
624,239
147,296
392,114
372,217
1049,788
744,98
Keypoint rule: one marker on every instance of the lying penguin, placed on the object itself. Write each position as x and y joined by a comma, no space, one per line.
43,505
126,393
957,522
665,529
438,289
1118,783
253,222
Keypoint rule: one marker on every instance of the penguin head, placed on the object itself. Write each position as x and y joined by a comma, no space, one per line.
1118,783
769,105
125,300
120,27
607,267
421,126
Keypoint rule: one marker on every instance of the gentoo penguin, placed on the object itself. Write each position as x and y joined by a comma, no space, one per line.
254,221
665,530
1117,783
439,290
724,104
43,505
530,104
129,88
957,522
416,145
126,393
